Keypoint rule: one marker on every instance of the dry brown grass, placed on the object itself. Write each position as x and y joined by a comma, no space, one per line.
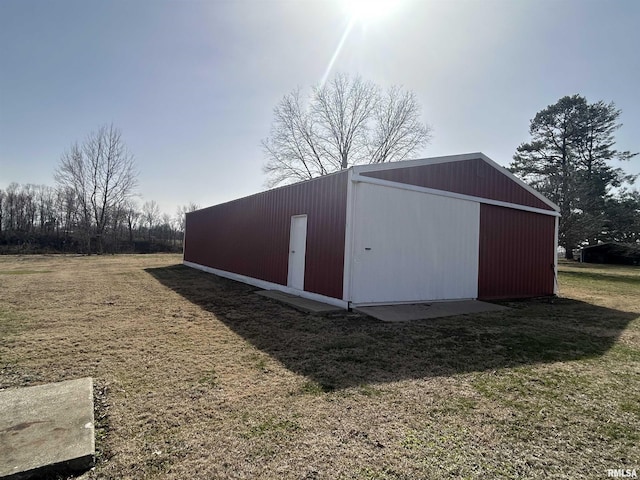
198,377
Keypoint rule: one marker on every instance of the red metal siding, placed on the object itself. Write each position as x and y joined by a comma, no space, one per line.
470,177
516,256
250,236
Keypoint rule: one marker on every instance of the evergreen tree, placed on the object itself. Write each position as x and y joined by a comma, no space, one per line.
623,218
567,159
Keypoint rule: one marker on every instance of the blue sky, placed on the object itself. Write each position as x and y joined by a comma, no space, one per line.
192,84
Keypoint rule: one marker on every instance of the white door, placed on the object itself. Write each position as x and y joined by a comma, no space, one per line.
412,246
297,251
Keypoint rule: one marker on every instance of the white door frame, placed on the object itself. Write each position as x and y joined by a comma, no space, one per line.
297,252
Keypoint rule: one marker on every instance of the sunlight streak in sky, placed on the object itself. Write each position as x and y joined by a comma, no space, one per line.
337,51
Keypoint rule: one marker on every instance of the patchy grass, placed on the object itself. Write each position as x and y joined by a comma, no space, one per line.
198,377
23,272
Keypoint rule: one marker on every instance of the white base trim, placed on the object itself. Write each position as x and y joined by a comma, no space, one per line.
269,285
409,302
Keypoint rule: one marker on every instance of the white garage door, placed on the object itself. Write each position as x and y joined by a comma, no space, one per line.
411,246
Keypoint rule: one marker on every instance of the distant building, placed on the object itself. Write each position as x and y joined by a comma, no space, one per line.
614,253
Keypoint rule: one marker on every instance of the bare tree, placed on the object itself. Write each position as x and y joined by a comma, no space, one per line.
132,216
10,206
345,122
67,208
398,130
181,212
37,217
46,197
343,108
150,215
101,174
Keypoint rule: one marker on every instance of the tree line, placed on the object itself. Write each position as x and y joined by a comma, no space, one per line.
92,208
45,219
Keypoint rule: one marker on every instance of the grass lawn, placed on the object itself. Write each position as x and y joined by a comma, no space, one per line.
198,377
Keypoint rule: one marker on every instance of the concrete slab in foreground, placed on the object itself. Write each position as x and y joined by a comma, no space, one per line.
46,429
304,304
424,311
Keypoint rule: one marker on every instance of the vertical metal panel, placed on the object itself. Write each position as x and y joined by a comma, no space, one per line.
517,257
470,177
250,236
411,246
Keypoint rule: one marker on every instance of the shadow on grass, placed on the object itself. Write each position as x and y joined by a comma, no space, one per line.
347,349
603,277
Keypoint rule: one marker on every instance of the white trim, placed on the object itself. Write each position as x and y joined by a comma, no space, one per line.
411,302
450,159
184,237
523,184
348,238
269,285
555,258
445,193
375,167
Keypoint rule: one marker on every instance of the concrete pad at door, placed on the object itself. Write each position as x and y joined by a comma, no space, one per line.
304,304
424,311
46,429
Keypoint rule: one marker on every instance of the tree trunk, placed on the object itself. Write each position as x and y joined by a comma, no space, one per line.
568,252
99,245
